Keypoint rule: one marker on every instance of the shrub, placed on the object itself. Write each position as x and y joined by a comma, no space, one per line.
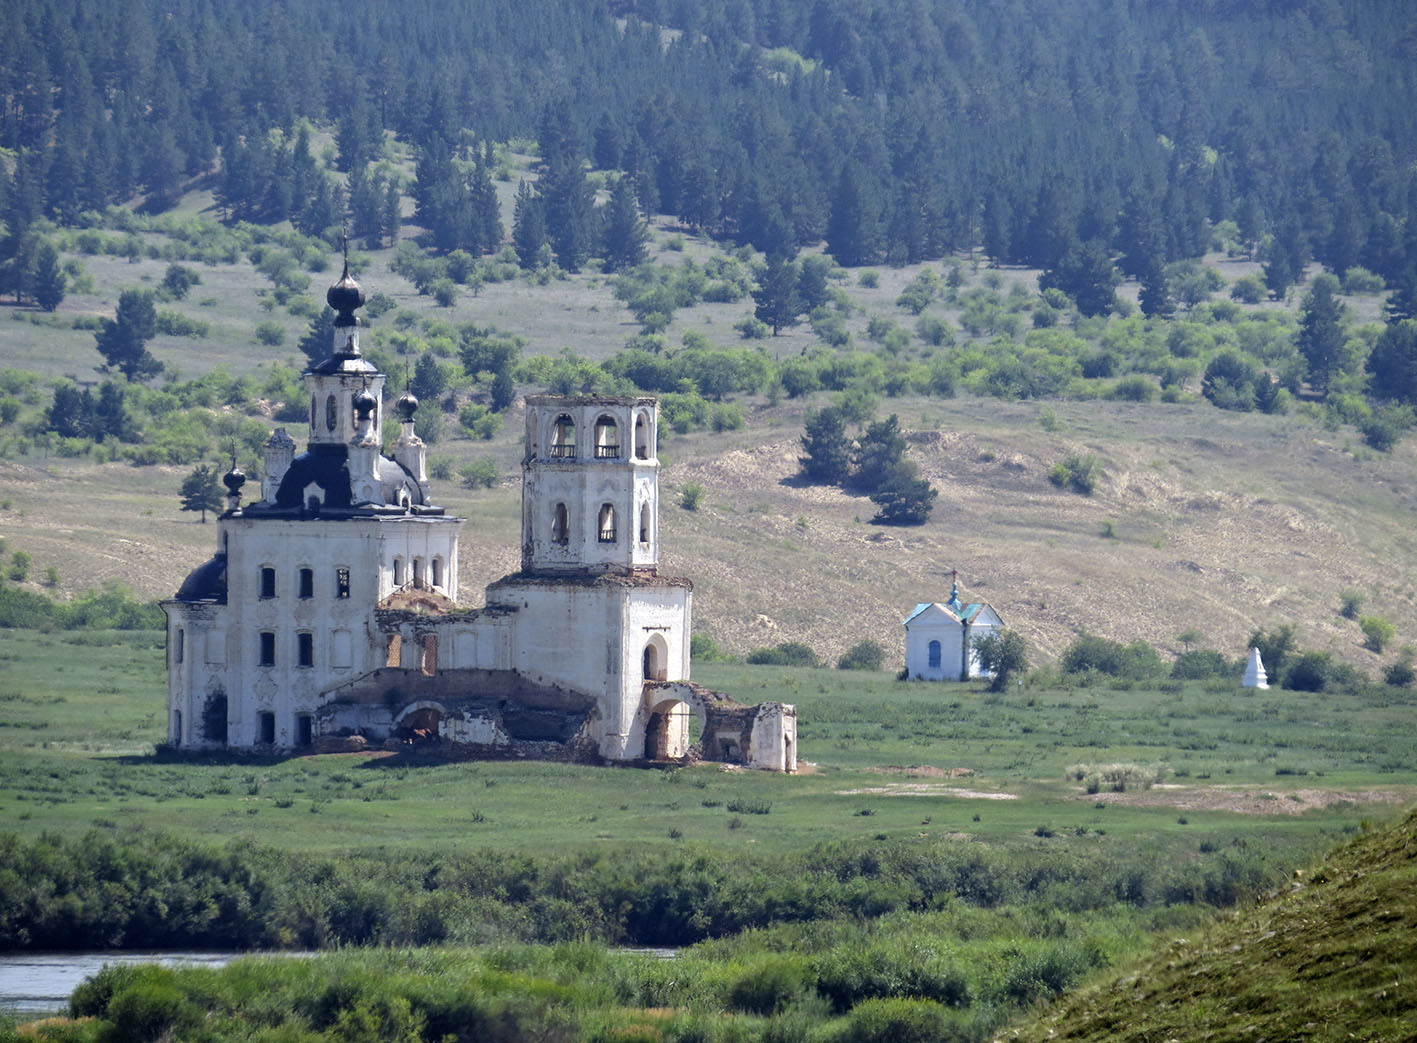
1318,672
480,474
1135,388
1349,602
1199,665
1249,290
479,421
706,649
691,495
864,655
769,985
787,653
896,1020
1359,280
1377,632
1090,653
270,333
1078,472
1401,673
1117,778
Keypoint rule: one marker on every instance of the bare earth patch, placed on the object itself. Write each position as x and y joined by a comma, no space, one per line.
1249,800
924,789
923,771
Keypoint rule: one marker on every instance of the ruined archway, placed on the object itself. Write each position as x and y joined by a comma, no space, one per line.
669,731
419,721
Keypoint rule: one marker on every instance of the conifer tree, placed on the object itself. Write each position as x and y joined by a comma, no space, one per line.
47,280
624,235
1320,337
778,302
122,340
201,491
828,459
528,227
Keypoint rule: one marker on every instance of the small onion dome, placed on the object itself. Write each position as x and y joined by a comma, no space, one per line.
406,406
365,404
234,479
346,295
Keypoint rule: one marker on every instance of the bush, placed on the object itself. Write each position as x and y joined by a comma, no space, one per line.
1401,673
1137,661
1135,388
691,495
1116,778
480,474
270,333
1377,632
1319,672
1349,602
706,649
1199,665
896,1020
1078,472
864,655
788,653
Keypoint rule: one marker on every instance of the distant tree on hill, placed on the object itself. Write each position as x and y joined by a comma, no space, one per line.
122,340
1086,274
904,498
1320,338
529,228
623,234
47,280
1393,362
779,304
201,491
828,459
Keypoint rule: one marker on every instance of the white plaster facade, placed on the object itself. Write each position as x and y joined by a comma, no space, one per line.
331,607
940,639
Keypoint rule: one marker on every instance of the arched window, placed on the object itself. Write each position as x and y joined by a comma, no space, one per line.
563,438
398,572
644,522
655,659
312,412
607,523
418,573
641,437
934,655
179,647
331,412
607,439
560,525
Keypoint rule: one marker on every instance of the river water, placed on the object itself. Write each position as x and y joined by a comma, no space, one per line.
40,983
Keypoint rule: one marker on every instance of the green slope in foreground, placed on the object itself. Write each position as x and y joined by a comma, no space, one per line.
1334,957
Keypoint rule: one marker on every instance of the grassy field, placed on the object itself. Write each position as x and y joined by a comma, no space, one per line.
884,759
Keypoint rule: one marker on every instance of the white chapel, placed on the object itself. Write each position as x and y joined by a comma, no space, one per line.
329,616
940,639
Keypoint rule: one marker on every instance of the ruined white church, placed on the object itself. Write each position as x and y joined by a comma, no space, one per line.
329,616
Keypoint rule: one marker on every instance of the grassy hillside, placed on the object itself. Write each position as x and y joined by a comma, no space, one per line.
1333,957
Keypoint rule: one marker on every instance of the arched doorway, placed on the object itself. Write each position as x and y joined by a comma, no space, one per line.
669,732
419,722
655,660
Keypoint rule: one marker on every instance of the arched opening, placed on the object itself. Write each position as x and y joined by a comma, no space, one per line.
179,646
606,527
419,722
644,523
428,655
398,572
418,573
563,438
331,413
394,655
560,525
655,659
668,735
607,438
642,439
934,655
313,413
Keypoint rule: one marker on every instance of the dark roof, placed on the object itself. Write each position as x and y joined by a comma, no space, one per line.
207,582
327,466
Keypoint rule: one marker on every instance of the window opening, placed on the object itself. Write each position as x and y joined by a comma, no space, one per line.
177,727
398,572
304,729
395,653
305,648
607,523
641,438
331,413
437,572
180,646
342,582
268,727
934,655
607,439
428,655
418,573
307,583
560,525
563,438
268,648
312,412
268,582
644,523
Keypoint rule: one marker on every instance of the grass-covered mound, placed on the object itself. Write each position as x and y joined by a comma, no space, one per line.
1332,957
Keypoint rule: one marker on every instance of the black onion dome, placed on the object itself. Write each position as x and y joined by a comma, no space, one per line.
345,296
365,404
406,406
234,479
207,582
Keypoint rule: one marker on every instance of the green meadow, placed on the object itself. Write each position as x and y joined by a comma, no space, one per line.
947,859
